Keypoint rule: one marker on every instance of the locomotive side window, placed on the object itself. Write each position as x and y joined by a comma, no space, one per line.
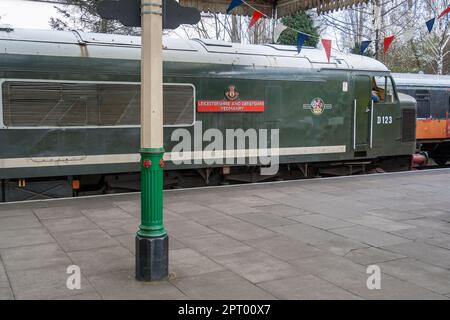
383,87
51,104
390,94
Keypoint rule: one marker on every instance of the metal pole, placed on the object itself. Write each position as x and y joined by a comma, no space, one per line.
151,240
376,23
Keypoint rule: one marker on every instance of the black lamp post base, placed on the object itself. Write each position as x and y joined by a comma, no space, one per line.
152,258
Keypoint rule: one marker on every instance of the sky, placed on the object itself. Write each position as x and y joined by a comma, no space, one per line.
25,14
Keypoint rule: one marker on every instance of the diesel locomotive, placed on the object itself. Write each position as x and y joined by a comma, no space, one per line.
70,113
432,93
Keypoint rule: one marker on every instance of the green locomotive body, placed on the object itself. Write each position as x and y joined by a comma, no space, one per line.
70,108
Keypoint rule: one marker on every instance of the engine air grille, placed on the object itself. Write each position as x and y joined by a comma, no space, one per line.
408,125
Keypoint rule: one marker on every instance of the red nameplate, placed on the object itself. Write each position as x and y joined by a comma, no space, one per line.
230,106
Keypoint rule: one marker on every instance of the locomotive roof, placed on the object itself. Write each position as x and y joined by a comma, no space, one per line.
96,45
421,80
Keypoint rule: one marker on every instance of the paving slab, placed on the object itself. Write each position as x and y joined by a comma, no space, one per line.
307,287
84,240
123,286
102,260
68,224
113,221
438,243
395,215
131,207
340,246
370,236
232,208
44,283
24,237
242,230
57,212
18,222
379,223
214,245
371,255
422,233
186,228
335,269
395,289
187,262
221,285
34,257
252,201
281,210
422,274
284,248
306,233
432,223
264,219
207,217
183,206
257,266
322,222
6,293
3,275
424,252
15,212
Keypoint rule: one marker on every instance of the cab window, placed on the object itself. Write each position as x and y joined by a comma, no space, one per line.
383,89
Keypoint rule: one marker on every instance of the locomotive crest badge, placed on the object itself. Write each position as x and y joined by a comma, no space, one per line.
317,106
232,93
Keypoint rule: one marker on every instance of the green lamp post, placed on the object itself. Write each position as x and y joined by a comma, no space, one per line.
152,243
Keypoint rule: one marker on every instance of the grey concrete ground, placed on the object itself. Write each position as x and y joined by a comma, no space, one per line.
297,240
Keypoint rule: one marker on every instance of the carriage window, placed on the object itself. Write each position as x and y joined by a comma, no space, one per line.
74,104
423,104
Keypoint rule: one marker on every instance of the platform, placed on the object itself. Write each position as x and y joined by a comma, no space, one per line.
308,239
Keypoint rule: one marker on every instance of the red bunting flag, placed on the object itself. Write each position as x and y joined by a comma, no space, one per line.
256,16
444,12
327,46
388,42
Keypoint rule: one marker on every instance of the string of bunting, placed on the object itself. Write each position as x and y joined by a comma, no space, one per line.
407,35
327,43
301,36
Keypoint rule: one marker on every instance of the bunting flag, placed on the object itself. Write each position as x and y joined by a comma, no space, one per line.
446,11
364,45
430,24
388,42
409,34
234,4
300,41
327,46
278,31
256,16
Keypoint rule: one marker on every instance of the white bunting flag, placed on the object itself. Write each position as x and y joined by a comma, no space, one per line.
278,31
408,34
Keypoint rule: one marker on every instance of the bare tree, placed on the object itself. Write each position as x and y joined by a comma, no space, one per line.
229,28
380,18
82,15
